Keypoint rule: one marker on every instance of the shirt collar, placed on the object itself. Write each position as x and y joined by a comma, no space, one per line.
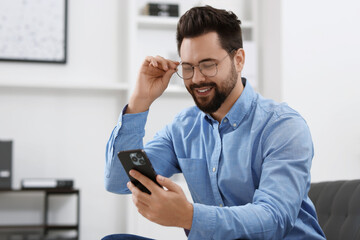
242,105
240,108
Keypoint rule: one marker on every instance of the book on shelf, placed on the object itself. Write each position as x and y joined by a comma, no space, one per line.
161,9
46,183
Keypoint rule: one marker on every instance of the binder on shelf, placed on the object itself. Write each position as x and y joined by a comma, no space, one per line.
161,9
45,183
5,164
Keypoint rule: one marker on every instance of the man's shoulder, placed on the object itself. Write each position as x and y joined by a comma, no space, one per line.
275,109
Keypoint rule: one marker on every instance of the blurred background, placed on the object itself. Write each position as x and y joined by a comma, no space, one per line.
59,116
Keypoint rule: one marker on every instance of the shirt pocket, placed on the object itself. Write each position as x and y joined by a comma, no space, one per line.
196,174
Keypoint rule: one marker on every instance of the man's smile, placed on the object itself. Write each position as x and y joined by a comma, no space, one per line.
204,91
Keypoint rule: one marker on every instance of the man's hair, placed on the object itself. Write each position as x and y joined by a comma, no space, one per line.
201,20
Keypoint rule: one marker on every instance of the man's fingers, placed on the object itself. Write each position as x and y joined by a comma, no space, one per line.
139,203
139,198
166,182
173,64
138,195
148,183
169,73
161,63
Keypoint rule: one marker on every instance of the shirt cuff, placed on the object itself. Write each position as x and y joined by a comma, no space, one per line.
132,122
201,229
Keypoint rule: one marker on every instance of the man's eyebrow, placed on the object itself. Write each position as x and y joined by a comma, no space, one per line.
203,60
207,59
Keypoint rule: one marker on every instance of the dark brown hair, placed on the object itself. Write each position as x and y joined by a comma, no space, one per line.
201,20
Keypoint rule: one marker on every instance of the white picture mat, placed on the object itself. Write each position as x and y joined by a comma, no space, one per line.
33,30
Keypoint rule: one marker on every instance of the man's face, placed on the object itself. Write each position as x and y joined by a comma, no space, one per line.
209,93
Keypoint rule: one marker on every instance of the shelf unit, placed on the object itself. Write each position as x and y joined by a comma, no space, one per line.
45,227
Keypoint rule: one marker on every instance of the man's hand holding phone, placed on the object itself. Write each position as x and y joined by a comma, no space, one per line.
168,207
153,79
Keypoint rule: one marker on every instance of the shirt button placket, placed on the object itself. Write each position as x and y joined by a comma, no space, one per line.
214,163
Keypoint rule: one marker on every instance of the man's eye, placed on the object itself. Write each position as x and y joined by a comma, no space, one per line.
207,65
186,67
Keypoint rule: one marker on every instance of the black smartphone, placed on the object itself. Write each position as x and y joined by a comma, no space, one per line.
138,160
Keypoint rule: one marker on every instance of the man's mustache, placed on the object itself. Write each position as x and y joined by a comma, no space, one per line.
193,86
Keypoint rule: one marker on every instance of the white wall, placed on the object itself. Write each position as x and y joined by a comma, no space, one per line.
62,133
270,49
319,55
321,69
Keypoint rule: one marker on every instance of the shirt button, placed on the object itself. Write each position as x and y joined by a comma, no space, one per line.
214,169
225,120
221,205
234,125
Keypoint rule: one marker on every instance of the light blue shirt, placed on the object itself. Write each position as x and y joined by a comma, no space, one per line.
249,175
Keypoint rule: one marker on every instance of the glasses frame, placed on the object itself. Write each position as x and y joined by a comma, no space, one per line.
198,66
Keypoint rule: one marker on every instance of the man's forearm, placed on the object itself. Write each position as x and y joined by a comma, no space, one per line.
138,104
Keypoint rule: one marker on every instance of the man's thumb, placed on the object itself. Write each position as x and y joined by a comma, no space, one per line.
166,182
169,73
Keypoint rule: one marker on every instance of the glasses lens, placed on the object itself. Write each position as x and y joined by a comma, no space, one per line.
208,68
185,71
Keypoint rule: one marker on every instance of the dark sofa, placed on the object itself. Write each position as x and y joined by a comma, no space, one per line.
338,208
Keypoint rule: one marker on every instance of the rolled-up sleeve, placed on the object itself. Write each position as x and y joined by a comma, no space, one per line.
127,134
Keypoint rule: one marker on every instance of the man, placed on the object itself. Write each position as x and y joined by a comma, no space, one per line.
246,159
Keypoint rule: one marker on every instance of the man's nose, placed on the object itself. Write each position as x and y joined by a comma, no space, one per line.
198,76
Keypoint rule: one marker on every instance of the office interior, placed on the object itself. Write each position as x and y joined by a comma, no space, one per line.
60,116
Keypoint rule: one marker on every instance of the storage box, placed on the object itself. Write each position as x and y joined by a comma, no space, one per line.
5,164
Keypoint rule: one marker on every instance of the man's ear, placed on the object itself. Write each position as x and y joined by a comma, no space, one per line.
239,59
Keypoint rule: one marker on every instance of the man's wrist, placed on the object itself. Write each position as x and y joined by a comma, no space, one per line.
188,217
135,109
137,105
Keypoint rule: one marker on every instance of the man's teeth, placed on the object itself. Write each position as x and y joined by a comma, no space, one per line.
204,90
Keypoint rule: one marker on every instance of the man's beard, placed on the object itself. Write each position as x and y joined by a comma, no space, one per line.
221,92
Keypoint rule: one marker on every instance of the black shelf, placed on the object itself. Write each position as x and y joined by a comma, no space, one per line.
61,227
45,228
22,226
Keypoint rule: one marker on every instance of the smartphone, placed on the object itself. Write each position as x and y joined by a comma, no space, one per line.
138,160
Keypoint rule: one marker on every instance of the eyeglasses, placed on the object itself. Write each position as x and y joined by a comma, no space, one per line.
208,68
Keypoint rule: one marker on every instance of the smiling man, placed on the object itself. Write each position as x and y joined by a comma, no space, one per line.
246,159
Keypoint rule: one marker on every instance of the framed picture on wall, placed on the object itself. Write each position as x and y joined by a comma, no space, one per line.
33,30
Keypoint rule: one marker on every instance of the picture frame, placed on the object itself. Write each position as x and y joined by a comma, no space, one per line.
33,31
